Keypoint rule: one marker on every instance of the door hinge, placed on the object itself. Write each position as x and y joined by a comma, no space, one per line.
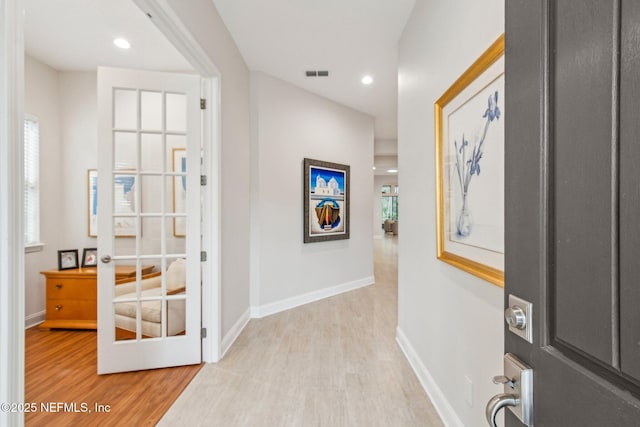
203,104
203,179
203,333
203,256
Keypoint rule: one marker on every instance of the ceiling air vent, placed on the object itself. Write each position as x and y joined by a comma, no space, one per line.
317,73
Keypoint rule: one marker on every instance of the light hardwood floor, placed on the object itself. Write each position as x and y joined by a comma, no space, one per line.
331,363
60,367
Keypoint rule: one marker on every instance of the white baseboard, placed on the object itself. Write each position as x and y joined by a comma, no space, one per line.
234,332
289,303
440,402
34,319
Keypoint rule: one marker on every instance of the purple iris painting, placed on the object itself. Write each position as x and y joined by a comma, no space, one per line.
468,164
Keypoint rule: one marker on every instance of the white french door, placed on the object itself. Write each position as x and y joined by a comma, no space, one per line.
148,220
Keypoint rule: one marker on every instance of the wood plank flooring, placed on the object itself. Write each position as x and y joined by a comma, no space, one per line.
331,363
60,366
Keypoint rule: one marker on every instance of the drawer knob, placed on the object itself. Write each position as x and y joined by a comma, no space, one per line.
58,286
58,307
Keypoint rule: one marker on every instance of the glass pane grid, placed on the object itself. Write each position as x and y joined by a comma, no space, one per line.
170,245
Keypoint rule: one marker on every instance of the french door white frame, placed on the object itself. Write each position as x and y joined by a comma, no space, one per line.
12,295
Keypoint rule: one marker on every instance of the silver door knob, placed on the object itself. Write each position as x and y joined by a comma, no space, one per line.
517,392
106,259
498,402
515,317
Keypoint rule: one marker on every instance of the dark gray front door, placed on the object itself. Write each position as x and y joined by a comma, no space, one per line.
573,205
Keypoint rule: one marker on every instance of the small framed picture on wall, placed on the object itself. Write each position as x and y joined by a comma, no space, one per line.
89,257
67,259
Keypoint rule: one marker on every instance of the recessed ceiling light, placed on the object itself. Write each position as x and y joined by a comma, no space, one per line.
392,170
374,168
367,80
122,43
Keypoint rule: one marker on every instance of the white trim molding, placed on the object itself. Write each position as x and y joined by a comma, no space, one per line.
437,397
293,302
235,332
11,221
163,16
34,319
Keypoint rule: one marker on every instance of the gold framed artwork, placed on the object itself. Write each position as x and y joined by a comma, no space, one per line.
469,124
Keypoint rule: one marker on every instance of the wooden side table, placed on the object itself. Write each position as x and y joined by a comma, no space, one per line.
72,300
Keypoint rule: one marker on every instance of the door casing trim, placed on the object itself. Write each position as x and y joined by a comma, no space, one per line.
167,21
11,222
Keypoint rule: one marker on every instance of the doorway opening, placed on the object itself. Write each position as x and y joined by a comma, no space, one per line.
389,208
12,74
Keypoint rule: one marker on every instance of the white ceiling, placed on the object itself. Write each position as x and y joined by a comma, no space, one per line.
349,38
283,38
78,35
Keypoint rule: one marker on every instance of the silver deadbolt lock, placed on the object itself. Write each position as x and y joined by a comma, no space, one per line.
518,316
515,317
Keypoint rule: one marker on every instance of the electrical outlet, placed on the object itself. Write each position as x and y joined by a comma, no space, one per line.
468,391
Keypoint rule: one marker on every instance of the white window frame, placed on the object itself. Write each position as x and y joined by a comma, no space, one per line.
31,194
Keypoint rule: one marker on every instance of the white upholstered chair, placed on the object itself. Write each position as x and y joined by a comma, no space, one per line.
151,310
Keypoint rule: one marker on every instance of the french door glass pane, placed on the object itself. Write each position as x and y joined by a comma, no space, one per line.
176,112
152,191
151,110
151,152
125,109
125,152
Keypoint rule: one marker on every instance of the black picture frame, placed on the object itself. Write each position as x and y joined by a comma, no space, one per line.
326,207
89,257
67,259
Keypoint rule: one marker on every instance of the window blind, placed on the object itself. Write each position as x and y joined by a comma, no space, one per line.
31,181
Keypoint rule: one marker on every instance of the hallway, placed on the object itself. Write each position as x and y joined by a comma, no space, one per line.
333,363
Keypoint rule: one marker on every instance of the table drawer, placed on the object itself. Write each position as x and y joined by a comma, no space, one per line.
71,289
71,309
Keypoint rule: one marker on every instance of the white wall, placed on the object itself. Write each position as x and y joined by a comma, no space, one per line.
204,22
43,101
290,124
65,104
378,182
79,152
450,322
386,147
